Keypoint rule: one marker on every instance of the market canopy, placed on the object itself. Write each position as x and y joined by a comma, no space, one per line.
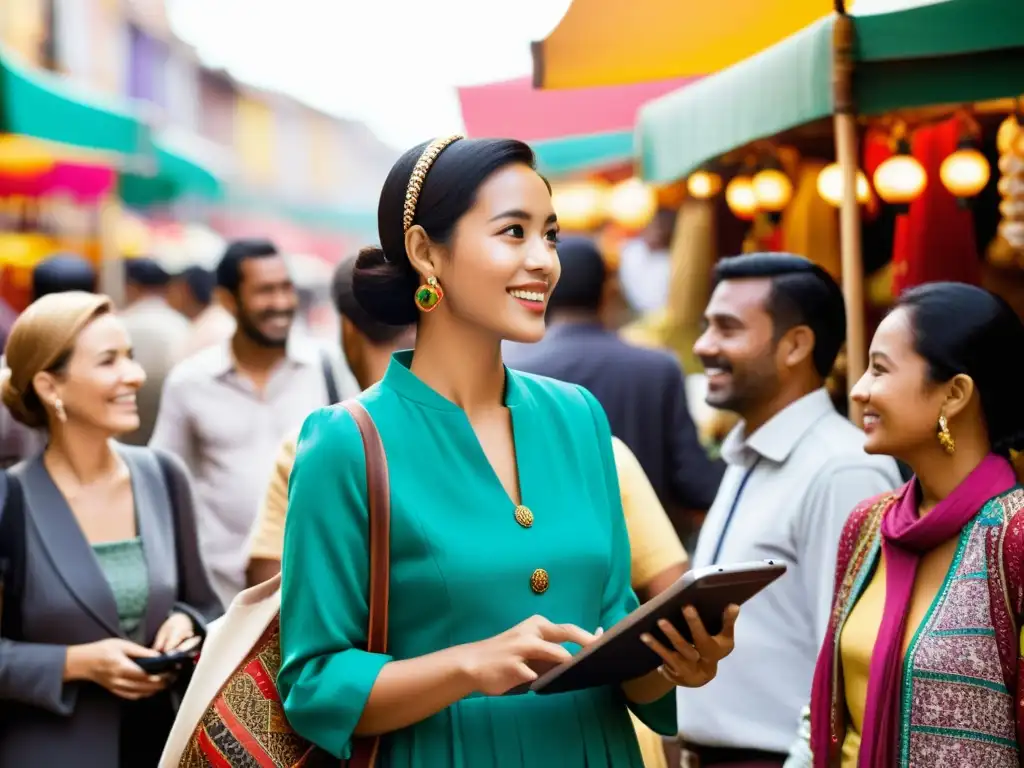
610,42
578,154
947,52
571,131
515,109
175,174
45,106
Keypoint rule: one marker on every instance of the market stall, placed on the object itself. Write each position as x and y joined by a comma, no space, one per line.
609,42
825,85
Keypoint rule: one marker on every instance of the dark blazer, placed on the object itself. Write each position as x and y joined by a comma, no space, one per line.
643,392
66,600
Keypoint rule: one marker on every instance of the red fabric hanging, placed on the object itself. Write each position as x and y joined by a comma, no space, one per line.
935,240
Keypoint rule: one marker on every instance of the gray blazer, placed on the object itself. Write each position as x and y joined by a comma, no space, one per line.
67,601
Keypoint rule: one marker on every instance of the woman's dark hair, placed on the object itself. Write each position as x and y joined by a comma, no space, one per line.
383,280
962,329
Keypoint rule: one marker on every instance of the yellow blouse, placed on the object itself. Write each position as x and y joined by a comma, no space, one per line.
857,639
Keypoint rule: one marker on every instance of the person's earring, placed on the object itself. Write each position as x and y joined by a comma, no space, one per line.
429,295
58,409
945,436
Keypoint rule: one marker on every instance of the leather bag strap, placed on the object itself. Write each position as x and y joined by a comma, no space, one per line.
378,488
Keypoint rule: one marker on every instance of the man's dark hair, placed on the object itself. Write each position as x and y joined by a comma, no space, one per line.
200,284
63,272
581,285
802,293
146,272
229,271
348,306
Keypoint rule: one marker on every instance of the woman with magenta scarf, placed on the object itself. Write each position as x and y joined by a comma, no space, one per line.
921,663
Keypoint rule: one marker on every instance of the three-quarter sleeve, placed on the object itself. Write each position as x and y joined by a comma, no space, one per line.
33,673
326,676
619,599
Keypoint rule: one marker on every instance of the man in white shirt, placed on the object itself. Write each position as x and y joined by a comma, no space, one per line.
226,409
796,469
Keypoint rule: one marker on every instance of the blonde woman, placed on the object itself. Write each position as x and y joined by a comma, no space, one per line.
99,542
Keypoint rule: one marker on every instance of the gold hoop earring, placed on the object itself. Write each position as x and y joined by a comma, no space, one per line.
58,409
946,439
428,295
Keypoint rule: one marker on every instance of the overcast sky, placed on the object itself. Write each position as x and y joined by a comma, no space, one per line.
394,64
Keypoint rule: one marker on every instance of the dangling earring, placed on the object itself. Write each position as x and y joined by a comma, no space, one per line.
429,295
58,409
945,437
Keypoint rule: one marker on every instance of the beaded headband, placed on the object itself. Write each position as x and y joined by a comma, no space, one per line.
419,175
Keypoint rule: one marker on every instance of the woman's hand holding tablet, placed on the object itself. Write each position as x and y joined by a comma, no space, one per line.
686,631
691,665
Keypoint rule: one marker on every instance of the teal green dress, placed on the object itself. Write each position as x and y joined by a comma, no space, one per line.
462,570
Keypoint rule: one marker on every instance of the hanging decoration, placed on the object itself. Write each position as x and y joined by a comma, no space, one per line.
772,189
580,205
704,184
1007,249
740,197
830,185
900,179
631,203
966,172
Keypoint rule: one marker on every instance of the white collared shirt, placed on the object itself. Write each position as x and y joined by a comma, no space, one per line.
229,435
810,471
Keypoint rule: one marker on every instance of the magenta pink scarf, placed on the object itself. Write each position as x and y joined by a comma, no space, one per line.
905,537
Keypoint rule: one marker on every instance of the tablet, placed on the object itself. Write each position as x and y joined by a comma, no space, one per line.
620,655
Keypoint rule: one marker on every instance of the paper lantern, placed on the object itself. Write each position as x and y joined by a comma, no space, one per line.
632,204
739,195
900,179
579,205
965,173
772,189
830,185
704,184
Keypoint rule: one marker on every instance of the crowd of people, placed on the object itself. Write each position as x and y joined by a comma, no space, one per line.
175,457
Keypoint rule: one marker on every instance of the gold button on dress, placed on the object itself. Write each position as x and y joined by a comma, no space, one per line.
539,581
524,516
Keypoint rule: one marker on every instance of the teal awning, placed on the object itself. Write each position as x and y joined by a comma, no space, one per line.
45,106
947,52
574,154
177,176
357,222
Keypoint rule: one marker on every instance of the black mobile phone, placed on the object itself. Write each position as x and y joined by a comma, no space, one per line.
168,662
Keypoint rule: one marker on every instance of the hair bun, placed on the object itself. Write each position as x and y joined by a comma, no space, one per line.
14,401
385,289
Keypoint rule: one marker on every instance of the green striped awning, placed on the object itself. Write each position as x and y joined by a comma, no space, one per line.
177,176
45,106
947,52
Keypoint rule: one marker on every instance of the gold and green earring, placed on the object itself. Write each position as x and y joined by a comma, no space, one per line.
429,295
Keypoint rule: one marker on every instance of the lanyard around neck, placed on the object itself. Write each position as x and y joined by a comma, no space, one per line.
732,510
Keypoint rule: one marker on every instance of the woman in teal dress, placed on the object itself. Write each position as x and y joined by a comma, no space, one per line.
508,545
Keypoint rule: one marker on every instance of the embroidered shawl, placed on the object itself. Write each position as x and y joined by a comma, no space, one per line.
963,670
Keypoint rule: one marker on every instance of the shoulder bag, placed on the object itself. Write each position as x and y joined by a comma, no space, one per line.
231,715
